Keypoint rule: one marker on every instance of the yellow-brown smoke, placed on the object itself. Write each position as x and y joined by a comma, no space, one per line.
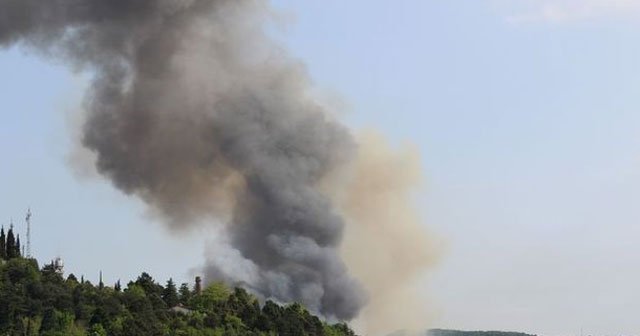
386,244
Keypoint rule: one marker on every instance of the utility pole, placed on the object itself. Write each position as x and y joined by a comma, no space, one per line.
28,219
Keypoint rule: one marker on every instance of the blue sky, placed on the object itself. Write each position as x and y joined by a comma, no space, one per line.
526,116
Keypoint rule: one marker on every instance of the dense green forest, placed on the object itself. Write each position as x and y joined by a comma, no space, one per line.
41,301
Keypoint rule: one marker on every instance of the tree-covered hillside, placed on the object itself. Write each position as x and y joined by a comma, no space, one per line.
41,301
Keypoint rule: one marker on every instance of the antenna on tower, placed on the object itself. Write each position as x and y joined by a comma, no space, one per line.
28,219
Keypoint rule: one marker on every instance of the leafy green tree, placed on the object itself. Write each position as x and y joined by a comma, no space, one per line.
97,330
270,317
146,282
72,280
339,329
142,320
83,297
211,297
30,326
243,305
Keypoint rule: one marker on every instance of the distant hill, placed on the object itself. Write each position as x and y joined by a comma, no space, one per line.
445,332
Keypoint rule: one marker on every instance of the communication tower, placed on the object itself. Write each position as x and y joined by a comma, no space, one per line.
28,219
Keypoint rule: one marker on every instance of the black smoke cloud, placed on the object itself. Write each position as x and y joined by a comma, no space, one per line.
194,110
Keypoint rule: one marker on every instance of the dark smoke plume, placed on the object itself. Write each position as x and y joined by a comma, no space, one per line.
194,110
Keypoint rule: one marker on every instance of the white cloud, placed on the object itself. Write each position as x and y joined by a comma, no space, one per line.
559,11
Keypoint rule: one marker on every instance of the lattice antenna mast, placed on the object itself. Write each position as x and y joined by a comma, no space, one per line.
28,219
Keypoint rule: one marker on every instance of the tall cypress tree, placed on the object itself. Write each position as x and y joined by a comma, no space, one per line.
18,253
11,244
3,245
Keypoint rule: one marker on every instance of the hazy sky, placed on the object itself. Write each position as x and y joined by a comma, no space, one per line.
526,113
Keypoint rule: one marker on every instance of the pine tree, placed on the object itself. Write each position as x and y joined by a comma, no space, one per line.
3,245
185,294
11,244
117,286
170,294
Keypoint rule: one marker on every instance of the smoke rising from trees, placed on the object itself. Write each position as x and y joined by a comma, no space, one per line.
193,109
